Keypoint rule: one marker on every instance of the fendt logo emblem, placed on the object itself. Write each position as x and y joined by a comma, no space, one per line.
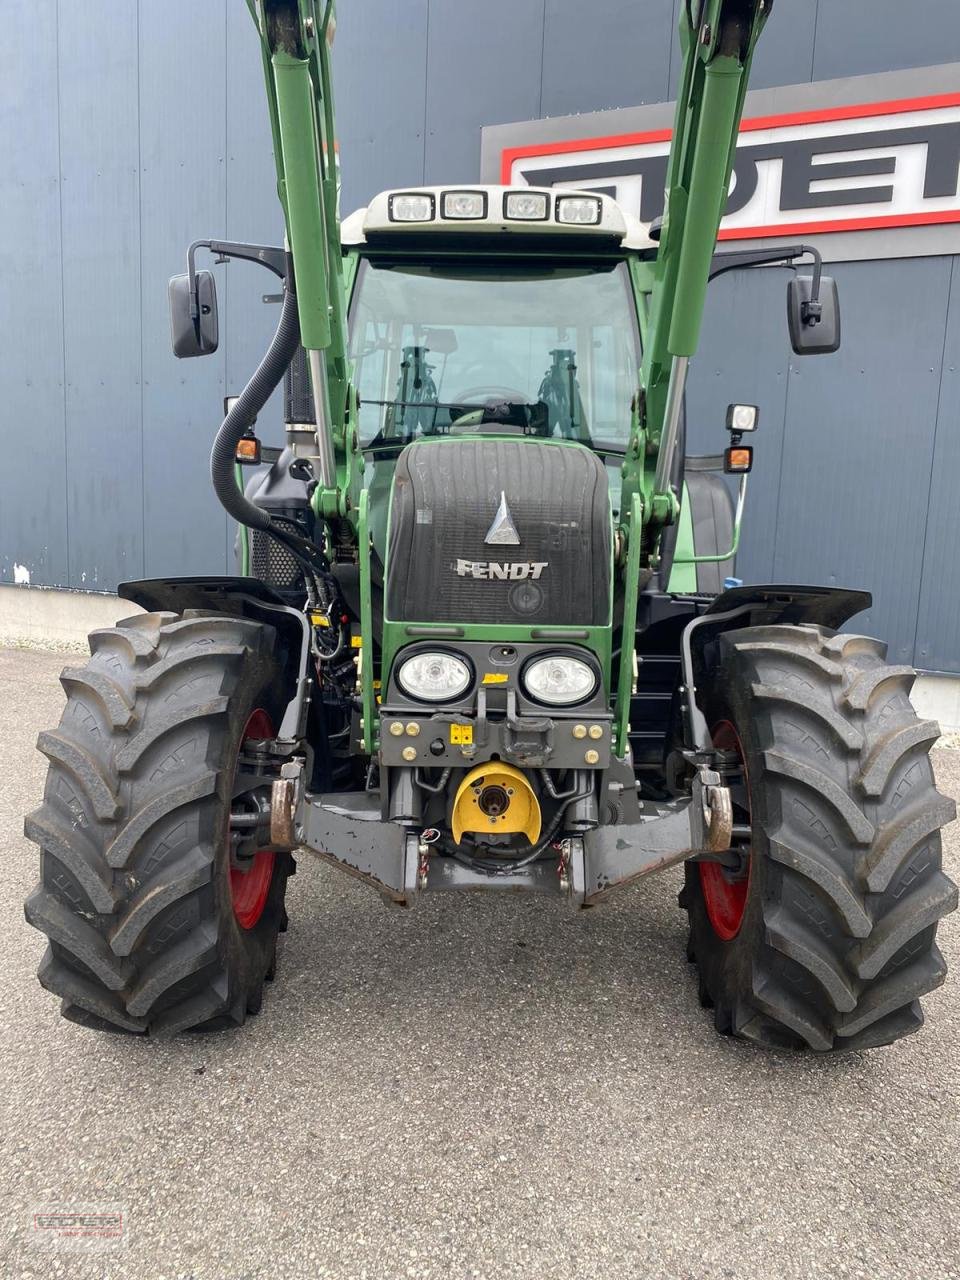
494,570
503,532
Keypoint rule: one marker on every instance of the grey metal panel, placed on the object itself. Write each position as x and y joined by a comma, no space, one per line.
785,52
380,75
938,624
858,443
101,276
33,524
182,197
859,36
477,77
744,357
605,54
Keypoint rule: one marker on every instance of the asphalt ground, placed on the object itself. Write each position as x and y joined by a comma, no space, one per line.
483,1088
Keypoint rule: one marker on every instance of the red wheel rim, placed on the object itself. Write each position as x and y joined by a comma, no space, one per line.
250,889
724,897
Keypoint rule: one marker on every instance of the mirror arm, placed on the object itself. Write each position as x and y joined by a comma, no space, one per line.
811,311
273,258
743,258
785,254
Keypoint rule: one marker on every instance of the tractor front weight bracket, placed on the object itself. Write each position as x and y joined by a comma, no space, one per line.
347,831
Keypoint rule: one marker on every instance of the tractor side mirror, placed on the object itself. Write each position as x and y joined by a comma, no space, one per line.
814,324
194,330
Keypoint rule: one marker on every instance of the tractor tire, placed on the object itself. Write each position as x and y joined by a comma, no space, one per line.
825,940
149,928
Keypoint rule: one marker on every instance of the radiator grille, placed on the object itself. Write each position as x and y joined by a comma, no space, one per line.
445,497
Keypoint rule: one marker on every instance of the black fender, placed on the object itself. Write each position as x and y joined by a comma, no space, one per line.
792,605
245,598
754,606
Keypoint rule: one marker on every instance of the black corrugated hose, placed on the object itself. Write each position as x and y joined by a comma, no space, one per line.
243,414
239,420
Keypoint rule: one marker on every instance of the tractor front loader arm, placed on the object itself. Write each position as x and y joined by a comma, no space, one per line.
296,38
717,39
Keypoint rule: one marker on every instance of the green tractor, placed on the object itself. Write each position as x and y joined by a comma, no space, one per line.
481,636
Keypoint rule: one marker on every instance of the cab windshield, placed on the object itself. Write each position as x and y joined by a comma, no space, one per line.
518,349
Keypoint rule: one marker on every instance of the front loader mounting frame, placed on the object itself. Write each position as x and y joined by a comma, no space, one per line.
347,829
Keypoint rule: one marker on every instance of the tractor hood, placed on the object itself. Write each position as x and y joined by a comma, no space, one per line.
501,532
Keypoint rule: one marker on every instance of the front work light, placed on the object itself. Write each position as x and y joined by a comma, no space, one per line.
463,204
411,207
559,680
742,417
434,677
583,211
526,206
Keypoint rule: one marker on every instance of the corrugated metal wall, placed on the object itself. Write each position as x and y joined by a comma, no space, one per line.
128,129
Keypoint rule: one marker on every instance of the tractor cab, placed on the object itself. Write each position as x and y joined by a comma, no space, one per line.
492,313
515,313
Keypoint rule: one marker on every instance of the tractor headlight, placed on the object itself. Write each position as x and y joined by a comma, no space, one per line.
463,204
527,206
434,677
559,680
410,206
579,210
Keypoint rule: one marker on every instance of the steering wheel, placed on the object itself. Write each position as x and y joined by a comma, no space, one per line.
510,394
493,399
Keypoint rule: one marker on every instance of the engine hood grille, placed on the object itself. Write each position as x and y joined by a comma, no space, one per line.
499,531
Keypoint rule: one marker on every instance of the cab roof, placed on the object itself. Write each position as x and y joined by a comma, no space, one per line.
485,210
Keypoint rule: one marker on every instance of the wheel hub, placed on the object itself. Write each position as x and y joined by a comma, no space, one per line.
250,882
725,888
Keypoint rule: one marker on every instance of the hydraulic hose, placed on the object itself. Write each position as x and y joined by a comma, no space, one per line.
320,587
244,412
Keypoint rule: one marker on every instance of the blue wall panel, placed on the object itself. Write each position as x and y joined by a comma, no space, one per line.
846,442
752,370
609,53
100,195
858,443
380,73
33,519
492,81
856,37
134,128
938,624
182,148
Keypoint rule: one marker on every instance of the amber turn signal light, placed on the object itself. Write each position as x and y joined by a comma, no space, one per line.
737,459
248,451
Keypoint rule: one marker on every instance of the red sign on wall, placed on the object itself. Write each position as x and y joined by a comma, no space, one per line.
853,168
